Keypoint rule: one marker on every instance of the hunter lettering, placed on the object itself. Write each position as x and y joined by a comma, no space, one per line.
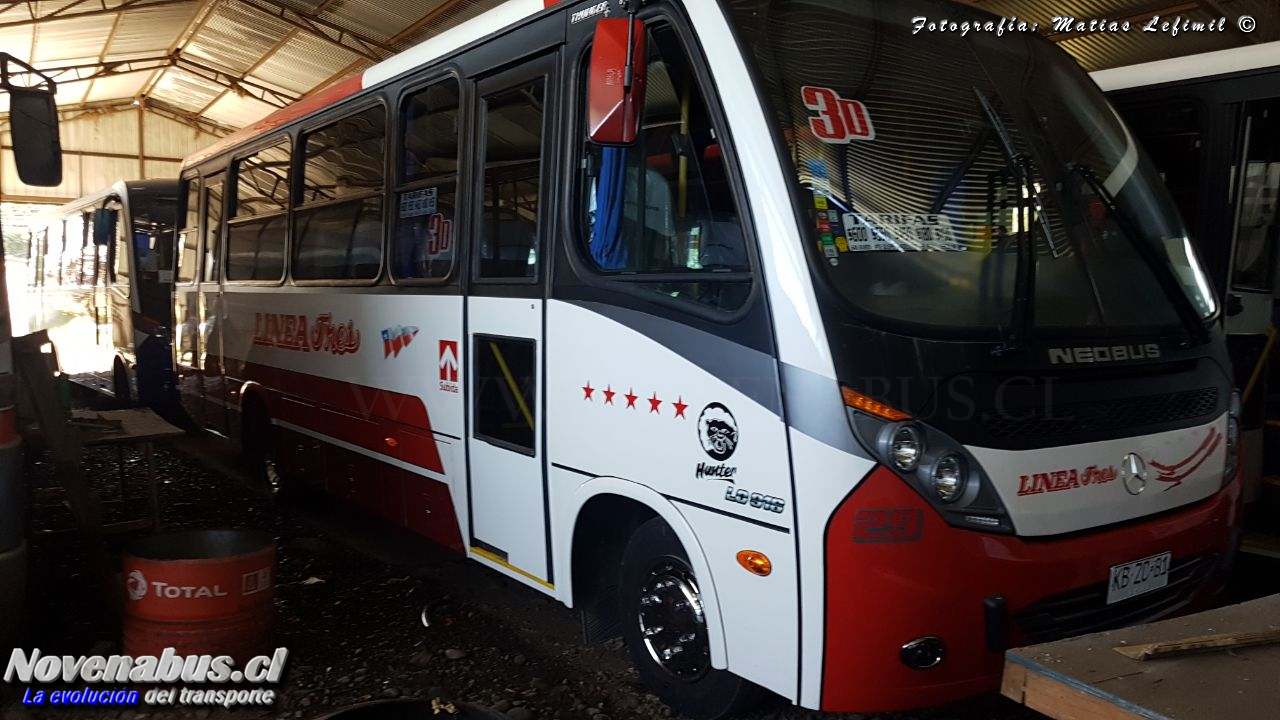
716,472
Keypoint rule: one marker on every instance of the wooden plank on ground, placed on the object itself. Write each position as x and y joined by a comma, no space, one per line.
1085,678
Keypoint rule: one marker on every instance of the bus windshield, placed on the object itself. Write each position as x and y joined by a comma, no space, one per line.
957,183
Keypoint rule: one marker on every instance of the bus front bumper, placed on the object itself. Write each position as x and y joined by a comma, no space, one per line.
979,593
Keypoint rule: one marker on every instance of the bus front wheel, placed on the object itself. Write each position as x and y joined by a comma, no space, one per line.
664,625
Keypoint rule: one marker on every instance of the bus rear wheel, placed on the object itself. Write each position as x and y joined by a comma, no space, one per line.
664,625
258,447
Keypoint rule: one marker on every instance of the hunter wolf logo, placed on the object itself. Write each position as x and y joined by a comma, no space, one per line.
718,431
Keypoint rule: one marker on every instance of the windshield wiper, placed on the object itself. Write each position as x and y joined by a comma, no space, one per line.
1027,206
1169,283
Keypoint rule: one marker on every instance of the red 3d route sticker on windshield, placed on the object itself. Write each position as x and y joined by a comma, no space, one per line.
839,120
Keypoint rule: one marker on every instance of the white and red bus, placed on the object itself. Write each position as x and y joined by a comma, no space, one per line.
807,353
101,272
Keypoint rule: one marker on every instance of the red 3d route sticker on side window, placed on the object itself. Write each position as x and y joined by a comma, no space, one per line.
839,120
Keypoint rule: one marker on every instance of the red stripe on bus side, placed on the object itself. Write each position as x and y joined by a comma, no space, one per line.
382,421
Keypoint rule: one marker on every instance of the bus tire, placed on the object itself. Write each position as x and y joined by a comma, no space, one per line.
665,630
258,447
120,384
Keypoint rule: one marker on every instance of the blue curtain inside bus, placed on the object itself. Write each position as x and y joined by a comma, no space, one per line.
607,246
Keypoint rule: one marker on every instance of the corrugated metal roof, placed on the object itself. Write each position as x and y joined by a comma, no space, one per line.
237,37
182,89
302,63
149,30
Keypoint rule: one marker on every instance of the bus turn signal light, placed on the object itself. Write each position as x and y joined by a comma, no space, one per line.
755,562
858,401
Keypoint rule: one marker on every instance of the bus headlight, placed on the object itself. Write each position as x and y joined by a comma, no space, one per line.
905,448
935,465
1233,440
949,478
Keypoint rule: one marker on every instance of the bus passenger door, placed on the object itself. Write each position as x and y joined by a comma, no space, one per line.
209,336
186,307
504,335
119,295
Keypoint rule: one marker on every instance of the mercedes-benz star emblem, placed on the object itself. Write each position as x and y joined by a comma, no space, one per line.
1133,473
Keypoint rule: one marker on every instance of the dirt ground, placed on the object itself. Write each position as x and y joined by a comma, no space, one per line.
351,598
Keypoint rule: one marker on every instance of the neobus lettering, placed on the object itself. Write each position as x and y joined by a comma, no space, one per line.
1115,353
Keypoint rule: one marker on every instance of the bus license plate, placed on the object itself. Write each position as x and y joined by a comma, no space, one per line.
1140,576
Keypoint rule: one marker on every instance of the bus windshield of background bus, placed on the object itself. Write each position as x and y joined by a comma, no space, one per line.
928,163
153,235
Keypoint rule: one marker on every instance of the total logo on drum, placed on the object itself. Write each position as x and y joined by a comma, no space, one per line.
138,588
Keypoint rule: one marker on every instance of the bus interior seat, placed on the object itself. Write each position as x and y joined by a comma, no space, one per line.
508,240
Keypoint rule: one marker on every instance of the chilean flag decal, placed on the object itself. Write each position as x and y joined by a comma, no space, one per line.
397,338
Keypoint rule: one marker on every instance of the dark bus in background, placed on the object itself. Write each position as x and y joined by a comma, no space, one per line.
1211,125
106,260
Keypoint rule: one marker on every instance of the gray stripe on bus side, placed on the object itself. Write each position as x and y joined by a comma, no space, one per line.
814,407
812,401
748,371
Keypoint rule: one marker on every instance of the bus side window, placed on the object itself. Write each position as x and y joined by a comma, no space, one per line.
664,206
187,237
256,230
513,149
212,230
337,231
426,197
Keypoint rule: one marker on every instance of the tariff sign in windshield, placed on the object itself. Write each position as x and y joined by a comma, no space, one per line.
901,232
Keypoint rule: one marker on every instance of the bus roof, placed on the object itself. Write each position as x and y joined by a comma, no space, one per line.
1190,67
119,187
433,48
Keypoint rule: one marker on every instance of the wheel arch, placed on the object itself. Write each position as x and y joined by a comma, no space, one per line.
591,501
252,398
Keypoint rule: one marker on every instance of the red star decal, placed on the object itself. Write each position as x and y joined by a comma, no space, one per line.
631,398
654,402
609,392
587,390
680,406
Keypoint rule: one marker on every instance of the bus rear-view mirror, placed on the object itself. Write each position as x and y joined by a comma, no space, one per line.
615,96
37,148
104,226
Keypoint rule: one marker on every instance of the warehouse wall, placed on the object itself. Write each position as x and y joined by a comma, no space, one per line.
101,147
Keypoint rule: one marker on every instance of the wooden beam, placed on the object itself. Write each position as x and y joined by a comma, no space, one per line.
123,7
107,155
